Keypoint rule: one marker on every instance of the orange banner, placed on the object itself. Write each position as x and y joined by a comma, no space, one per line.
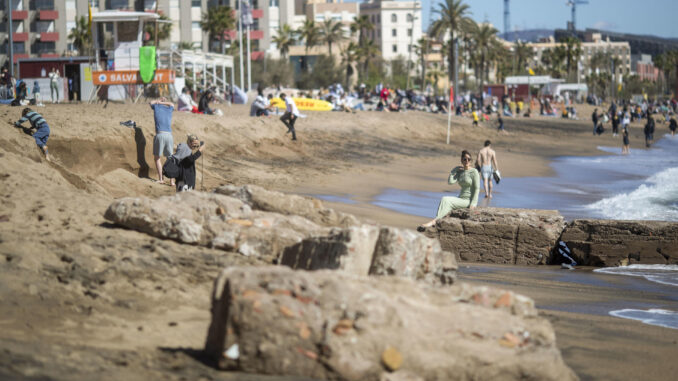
130,77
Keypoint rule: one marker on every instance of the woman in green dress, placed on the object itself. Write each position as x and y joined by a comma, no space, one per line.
469,180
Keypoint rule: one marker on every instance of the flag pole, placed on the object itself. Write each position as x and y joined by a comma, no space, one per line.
449,113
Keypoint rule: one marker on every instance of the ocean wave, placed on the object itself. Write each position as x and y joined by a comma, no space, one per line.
663,274
654,316
657,199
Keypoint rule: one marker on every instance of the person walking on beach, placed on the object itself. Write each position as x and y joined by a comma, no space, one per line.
163,143
615,123
594,118
38,123
487,159
500,126
54,84
673,126
649,131
469,180
475,117
290,116
625,142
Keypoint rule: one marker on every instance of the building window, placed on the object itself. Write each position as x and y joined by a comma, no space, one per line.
409,48
116,4
274,3
372,19
409,17
40,47
19,47
195,25
394,32
395,48
42,26
409,33
196,3
39,5
394,17
378,19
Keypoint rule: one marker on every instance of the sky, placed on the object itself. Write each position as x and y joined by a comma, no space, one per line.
654,17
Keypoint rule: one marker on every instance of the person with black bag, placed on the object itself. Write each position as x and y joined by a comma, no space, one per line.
188,153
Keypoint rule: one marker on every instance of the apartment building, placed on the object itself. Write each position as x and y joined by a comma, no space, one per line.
397,26
618,49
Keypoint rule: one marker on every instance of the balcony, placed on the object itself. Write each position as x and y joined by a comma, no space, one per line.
19,56
49,55
19,15
49,36
20,37
257,13
48,15
254,34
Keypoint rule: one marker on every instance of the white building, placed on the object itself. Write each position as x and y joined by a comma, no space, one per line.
397,26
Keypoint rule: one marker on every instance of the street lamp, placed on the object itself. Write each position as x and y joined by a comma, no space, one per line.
409,58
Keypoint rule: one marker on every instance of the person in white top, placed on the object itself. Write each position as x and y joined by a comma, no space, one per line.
54,84
186,102
290,116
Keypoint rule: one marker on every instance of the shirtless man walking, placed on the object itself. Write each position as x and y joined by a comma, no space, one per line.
487,159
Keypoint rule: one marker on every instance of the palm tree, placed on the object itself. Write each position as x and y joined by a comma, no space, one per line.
164,29
434,75
332,32
422,49
283,39
310,33
362,25
216,21
485,38
453,19
348,56
81,35
523,53
572,47
368,51
553,59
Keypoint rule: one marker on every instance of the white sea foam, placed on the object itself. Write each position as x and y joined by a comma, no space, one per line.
664,274
656,199
662,318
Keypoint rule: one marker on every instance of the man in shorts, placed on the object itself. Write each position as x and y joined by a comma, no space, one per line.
163,143
487,159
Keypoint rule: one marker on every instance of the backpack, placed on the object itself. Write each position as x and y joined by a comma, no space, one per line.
171,168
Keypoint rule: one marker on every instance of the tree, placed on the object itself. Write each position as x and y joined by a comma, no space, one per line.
523,54
667,62
310,33
185,45
485,38
453,19
367,52
332,32
164,29
572,47
422,49
348,56
216,21
554,59
81,35
434,75
362,25
283,39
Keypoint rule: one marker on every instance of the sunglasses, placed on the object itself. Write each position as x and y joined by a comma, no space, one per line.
465,159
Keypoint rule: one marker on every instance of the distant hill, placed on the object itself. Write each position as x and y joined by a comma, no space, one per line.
528,35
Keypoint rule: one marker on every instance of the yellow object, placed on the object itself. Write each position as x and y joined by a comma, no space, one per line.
306,104
529,70
89,14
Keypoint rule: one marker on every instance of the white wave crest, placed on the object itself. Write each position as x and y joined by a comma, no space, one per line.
664,274
655,200
654,316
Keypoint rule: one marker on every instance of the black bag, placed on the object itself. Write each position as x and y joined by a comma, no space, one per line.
171,168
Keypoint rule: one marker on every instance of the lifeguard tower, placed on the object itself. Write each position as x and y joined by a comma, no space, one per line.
121,66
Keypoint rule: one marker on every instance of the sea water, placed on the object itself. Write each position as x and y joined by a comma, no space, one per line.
642,185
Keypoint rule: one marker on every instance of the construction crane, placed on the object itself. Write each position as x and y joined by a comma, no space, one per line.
573,4
507,19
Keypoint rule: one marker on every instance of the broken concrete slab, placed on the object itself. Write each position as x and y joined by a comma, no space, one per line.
333,325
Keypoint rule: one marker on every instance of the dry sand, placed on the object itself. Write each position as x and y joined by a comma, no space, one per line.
81,299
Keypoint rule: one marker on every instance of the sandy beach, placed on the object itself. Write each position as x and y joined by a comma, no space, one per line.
82,298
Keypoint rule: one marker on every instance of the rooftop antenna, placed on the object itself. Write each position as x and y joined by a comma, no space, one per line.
507,19
573,4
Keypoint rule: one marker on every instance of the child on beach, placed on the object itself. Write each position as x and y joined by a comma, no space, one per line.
673,125
475,118
625,142
40,125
